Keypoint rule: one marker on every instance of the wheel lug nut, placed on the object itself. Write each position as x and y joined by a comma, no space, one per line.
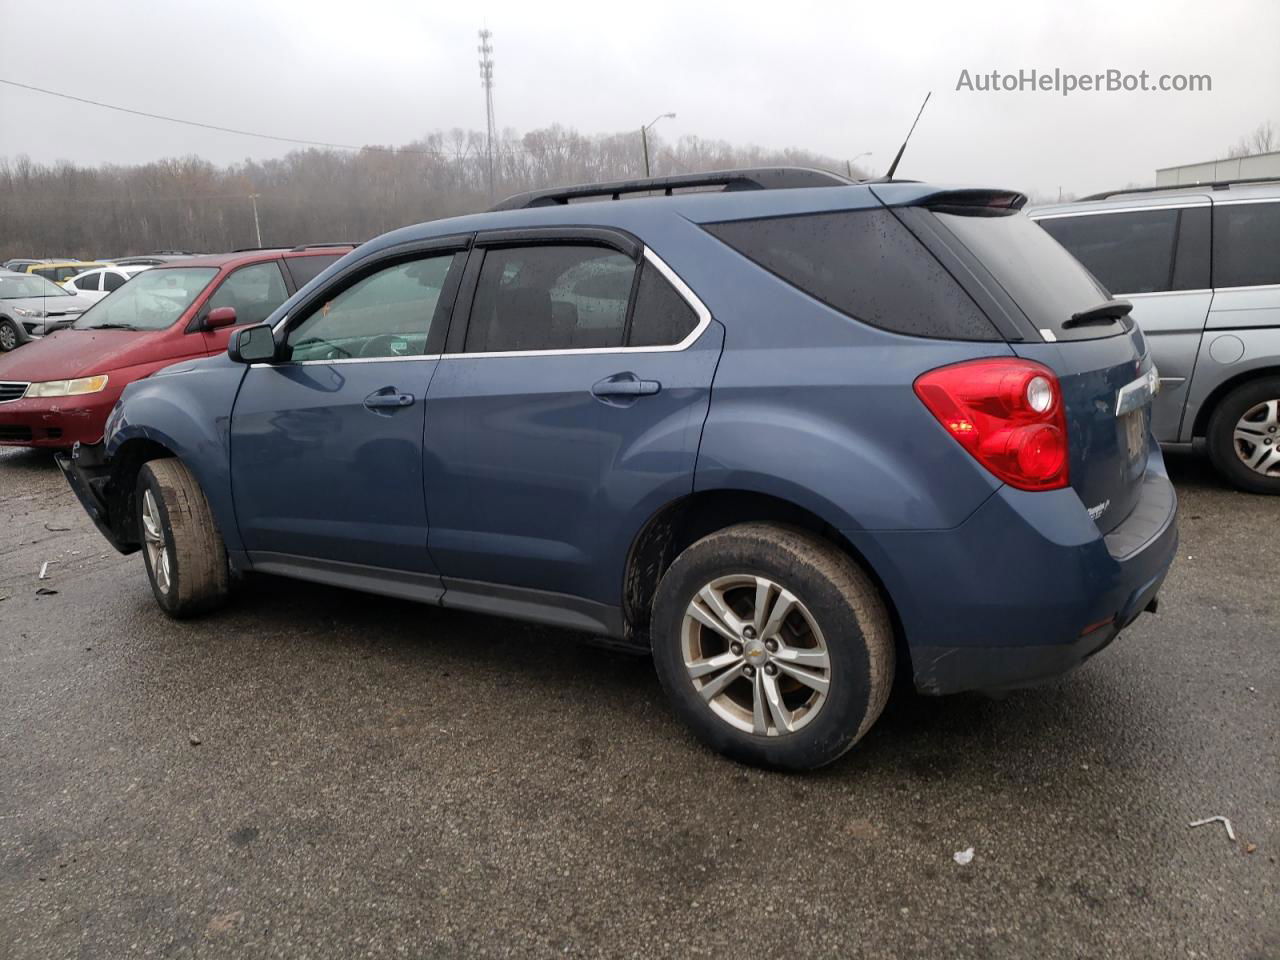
771,646
748,671
770,669
735,649
749,633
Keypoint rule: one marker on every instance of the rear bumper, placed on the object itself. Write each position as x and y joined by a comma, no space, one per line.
1027,588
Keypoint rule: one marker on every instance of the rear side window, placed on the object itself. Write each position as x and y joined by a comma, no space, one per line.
865,264
305,269
1246,244
1127,252
112,281
661,316
1046,282
550,297
89,282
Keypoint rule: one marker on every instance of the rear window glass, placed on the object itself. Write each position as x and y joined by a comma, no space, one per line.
1046,282
865,264
1246,238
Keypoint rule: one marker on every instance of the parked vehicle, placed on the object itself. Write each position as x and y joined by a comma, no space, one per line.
1201,268
32,307
96,284
789,438
59,271
58,392
20,264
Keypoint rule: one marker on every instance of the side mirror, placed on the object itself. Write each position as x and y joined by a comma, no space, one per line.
220,317
256,344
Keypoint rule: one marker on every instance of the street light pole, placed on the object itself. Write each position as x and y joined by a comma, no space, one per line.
253,198
848,164
644,137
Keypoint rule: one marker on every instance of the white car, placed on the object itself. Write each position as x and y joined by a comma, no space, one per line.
96,284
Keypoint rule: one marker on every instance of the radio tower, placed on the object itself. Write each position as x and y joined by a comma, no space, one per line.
486,81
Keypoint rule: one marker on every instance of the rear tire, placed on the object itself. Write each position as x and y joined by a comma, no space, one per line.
185,557
1245,430
792,687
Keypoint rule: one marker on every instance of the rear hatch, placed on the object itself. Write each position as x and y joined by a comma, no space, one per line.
1097,351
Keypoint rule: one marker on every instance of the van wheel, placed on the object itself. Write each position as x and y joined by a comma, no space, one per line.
185,557
773,646
1244,436
8,336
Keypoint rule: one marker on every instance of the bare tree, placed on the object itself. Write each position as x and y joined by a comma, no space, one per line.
1262,140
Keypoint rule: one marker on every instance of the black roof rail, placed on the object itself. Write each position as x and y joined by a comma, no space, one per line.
750,178
330,243
256,249
1205,185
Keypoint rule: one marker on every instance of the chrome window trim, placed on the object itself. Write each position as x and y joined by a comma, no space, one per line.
682,288
1204,202
1236,203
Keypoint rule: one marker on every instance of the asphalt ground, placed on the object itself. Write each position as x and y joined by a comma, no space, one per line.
376,778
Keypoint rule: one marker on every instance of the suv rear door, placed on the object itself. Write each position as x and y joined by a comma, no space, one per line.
566,411
1156,256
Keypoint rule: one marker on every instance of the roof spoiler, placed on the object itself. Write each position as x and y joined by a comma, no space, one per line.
975,202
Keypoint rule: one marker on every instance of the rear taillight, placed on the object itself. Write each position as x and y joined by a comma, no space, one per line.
1008,413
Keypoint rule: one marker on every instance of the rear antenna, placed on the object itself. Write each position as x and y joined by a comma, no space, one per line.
894,166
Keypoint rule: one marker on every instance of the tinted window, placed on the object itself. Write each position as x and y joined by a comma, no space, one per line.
153,301
661,316
863,263
550,298
91,282
305,269
254,291
390,313
1044,280
1246,244
1128,252
112,281
1191,262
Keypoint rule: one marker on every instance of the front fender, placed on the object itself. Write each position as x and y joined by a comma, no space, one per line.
186,408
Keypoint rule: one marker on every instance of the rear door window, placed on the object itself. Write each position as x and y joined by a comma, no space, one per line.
1129,252
112,280
1046,282
1246,244
89,282
865,264
550,297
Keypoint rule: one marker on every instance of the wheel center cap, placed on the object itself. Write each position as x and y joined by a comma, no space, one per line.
754,652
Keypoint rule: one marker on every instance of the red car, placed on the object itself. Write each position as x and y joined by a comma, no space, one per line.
59,390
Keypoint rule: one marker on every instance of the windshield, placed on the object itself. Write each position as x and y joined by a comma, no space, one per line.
152,300
12,288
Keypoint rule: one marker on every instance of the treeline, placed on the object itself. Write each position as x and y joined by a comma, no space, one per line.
317,195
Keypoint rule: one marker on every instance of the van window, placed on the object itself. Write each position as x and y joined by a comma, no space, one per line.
1129,252
865,264
1246,238
550,297
307,268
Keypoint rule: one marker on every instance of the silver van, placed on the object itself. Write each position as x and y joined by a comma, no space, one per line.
1202,267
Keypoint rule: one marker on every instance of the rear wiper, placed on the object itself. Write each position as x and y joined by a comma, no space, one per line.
1106,312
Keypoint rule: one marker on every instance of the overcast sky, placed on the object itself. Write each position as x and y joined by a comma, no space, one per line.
839,78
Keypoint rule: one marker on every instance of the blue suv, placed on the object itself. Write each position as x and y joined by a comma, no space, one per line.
787,433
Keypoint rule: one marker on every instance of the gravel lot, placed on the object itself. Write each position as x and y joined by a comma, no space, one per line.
378,778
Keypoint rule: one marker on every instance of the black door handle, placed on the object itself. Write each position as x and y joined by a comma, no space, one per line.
625,385
388,397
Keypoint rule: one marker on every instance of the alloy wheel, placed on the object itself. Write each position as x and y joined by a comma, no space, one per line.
1256,438
756,655
154,540
8,337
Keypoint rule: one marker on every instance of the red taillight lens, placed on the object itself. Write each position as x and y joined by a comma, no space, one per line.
1008,413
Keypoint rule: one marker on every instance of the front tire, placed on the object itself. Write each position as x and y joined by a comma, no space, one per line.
9,338
773,646
185,557
1244,436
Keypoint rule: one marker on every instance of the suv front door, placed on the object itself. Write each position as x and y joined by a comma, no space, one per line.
326,444
567,411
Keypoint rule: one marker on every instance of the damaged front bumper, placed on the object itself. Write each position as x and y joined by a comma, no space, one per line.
88,472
